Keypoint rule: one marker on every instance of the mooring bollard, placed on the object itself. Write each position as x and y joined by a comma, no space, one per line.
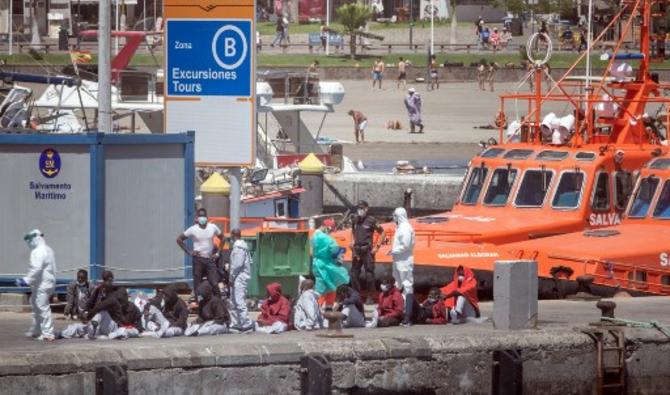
584,292
334,325
606,308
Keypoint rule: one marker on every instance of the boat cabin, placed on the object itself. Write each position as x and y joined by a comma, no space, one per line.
518,192
634,256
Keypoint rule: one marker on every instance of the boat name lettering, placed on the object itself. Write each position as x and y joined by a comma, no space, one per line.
607,219
457,255
477,219
663,257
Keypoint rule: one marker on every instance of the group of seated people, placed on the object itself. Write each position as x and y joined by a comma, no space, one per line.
106,312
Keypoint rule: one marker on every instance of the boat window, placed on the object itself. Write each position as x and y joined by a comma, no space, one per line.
601,193
518,154
492,152
280,208
585,156
643,197
623,187
474,185
534,187
500,187
641,277
665,280
660,164
569,190
662,209
552,155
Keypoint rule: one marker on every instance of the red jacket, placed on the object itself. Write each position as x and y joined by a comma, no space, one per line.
276,307
391,305
439,316
468,288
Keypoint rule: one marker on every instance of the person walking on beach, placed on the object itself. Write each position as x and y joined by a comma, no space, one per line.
490,74
377,72
413,105
402,73
432,71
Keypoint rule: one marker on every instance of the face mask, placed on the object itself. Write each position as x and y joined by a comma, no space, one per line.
200,298
461,278
81,284
431,300
202,221
162,303
32,241
360,212
385,287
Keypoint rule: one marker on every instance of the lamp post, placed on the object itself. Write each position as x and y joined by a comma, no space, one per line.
432,27
327,27
411,22
104,68
10,24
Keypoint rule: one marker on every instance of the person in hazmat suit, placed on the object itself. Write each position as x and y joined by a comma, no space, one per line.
402,252
328,273
240,274
41,279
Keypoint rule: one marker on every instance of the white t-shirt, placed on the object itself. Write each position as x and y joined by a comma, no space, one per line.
203,239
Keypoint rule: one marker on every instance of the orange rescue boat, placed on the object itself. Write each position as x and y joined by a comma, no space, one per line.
550,174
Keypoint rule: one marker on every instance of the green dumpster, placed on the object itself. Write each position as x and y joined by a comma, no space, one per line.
280,257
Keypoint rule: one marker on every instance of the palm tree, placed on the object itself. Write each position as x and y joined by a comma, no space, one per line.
353,16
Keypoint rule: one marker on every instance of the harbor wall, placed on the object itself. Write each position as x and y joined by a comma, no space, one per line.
561,361
384,192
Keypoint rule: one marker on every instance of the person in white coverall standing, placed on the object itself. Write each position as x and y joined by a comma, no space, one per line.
402,252
240,274
42,281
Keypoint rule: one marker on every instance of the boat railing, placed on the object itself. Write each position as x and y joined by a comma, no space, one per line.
435,235
624,275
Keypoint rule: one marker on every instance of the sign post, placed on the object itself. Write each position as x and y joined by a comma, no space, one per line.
210,78
210,82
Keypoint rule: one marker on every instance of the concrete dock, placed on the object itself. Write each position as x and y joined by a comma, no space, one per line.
558,357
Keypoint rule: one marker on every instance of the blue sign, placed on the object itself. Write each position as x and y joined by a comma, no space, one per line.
209,57
50,163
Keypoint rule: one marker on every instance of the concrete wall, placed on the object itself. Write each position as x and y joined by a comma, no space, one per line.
555,361
435,192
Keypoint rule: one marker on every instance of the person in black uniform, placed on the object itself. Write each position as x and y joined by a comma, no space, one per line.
363,249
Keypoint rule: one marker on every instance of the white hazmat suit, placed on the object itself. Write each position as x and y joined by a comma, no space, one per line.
402,252
42,280
240,273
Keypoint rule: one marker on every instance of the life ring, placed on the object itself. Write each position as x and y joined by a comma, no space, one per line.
501,120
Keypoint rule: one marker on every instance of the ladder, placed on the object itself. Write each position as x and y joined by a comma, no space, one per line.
611,364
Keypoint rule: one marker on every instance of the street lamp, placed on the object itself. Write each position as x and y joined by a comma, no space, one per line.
327,27
411,21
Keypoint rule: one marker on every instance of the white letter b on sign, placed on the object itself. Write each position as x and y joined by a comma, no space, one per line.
229,47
